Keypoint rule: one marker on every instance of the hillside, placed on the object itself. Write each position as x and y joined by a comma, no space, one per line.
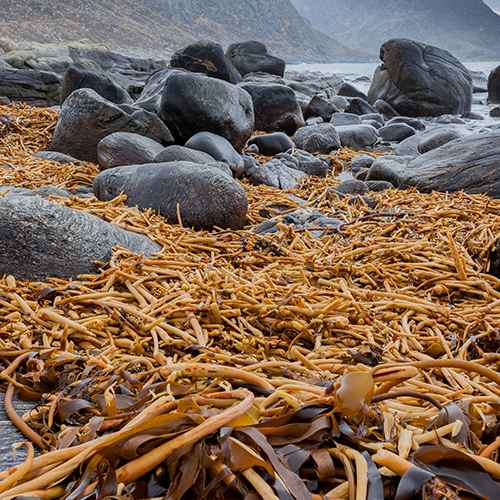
467,28
159,27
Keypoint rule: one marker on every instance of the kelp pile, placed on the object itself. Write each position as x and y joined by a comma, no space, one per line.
358,364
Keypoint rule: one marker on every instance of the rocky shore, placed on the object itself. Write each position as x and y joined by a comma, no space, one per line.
221,246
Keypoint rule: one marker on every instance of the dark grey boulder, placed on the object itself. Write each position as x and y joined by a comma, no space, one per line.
252,57
219,148
421,80
353,186
345,119
271,144
472,116
363,200
412,122
318,106
181,153
349,90
495,112
309,88
36,88
357,136
311,165
150,97
322,138
385,109
204,196
87,74
359,107
193,102
314,120
15,191
385,168
125,148
251,164
494,86
372,117
396,132
86,118
470,164
429,139
57,157
204,56
379,185
263,77
479,82
40,239
360,164
275,106
449,119
276,174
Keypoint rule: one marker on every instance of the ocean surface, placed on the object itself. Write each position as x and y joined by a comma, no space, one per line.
361,74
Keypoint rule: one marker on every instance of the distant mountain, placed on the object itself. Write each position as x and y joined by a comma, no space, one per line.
469,29
159,27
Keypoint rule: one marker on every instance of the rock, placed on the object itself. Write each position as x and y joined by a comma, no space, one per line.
36,88
276,174
494,86
320,107
361,164
471,116
363,200
396,132
306,162
452,167
303,101
479,82
353,186
193,102
206,57
181,153
495,112
310,88
448,119
379,185
339,102
46,191
430,139
345,119
58,157
219,148
412,122
204,196
41,239
15,191
321,138
385,109
87,74
372,117
86,118
314,120
421,80
359,107
348,90
275,106
125,148
262,77
251,164
251,57
150,97
357,136
271,144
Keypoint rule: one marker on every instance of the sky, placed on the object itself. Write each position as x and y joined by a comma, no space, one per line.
493,5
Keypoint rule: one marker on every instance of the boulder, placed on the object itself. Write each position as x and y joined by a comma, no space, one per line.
345,119
276,174
275,106
320,107
203,196
371,117
125,148
349,90
86,118
252,57
379,185
360,164
429,139
396,132
87,74
181,153
357,136
494,86
412,122
57,157
271,144
218,148
469,164
306,162
359,107
479,82
385,109
353,186
206,57
322,138
41,239
36,88
421,80
193,102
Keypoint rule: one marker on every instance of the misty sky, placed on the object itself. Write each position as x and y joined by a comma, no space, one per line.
493,4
